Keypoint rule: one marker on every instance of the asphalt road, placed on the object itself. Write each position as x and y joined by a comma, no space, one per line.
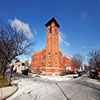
82,88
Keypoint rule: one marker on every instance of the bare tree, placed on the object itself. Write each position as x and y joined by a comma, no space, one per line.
86,67
12,44
94,59
77,60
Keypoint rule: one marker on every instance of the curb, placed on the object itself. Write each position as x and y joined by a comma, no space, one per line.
10,94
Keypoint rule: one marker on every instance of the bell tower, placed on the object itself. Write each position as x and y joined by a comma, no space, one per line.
52,45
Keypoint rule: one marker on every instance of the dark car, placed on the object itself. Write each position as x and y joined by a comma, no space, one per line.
25,72
94,74
80,73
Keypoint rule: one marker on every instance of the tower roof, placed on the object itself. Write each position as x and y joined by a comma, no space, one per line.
49,22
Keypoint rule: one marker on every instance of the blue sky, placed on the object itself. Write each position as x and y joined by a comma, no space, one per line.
79,21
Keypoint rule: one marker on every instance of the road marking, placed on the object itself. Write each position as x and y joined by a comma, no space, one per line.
62,91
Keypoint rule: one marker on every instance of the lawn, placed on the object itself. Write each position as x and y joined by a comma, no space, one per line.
4,81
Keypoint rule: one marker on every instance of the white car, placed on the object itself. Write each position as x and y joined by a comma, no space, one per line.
75,75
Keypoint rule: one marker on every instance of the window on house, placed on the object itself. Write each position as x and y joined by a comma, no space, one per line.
50,30
55,30
49,55
49,64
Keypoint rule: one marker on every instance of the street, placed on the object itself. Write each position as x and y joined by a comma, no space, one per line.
82,88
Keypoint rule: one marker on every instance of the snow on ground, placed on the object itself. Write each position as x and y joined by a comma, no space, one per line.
93,81
35,89
57,78
35,84
25,85
29,88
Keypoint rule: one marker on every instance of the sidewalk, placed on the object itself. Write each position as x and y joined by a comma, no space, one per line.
6,92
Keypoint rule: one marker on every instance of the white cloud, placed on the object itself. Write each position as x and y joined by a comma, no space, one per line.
20,26
62,37
83,15
35,32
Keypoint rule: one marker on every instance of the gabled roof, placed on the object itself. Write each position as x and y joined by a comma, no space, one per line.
49,22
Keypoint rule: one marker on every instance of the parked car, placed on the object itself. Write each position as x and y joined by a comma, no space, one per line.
79,73
25,72
75,75
94,74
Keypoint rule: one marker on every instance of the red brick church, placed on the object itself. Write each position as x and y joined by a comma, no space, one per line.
50,60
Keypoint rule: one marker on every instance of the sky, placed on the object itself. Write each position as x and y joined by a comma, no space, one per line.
79,22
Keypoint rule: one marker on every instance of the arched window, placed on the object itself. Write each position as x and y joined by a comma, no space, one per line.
55,29
55,64
49,64
44,61
44,50
50,31
49,55
56,55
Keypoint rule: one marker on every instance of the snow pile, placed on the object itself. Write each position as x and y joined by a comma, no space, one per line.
57,78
